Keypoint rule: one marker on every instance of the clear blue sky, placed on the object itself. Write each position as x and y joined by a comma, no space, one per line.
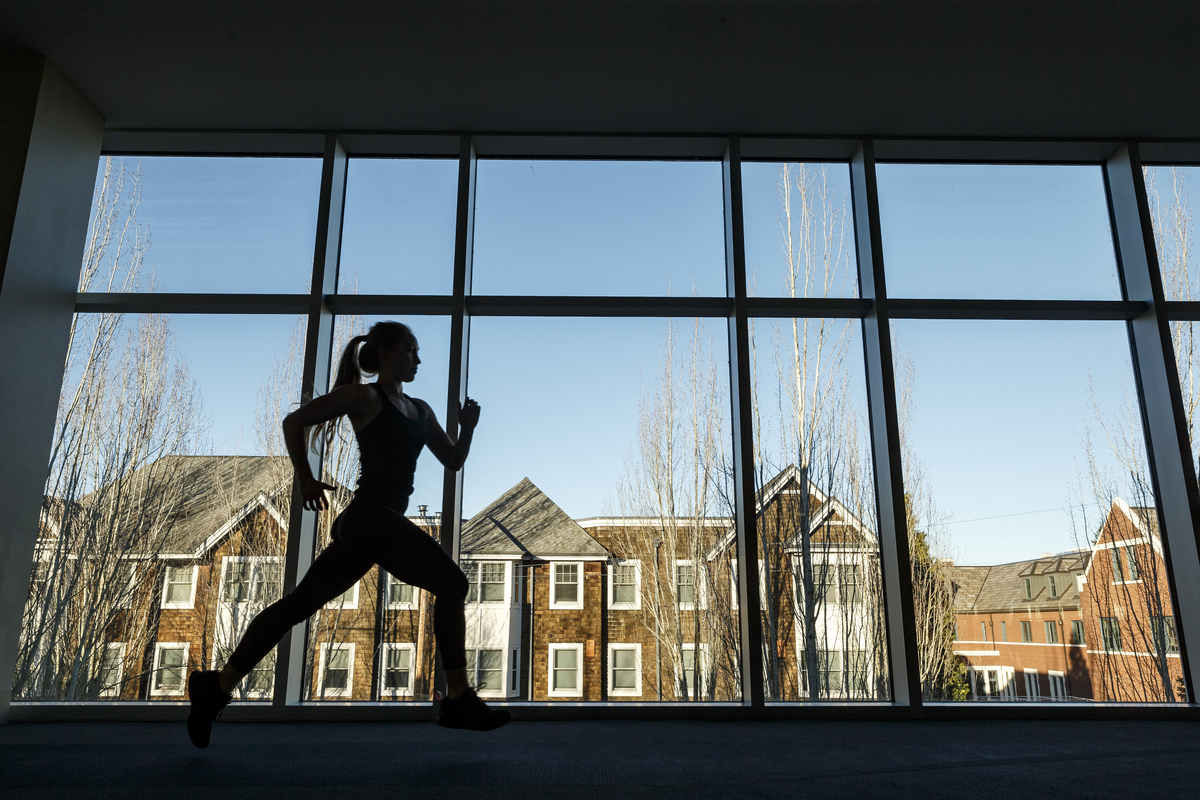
999,408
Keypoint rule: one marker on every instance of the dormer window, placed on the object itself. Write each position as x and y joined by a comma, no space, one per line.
1028,589
1053,587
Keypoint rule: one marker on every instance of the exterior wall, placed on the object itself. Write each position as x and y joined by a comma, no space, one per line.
1139,669
1063,657
567,626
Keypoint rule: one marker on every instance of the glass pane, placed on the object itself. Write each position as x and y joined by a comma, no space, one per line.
1025,460
398,227
651,228
204,224
168,463
821,587
996,231
1169,191
360,625
799,230
576,467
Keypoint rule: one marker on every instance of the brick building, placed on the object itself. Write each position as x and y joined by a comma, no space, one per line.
1133,648
612,608
1092,624
1021,630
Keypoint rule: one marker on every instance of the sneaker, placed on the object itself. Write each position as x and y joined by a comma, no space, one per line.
208,701
470,713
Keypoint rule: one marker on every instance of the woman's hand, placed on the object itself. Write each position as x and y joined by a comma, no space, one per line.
468,414
313,492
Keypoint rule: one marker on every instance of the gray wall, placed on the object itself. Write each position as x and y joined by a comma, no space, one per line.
48,154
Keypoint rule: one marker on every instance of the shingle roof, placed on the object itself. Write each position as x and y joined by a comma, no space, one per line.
1001,587
176,503
966,582
524,520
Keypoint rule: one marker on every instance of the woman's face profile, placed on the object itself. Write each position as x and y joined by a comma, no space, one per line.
401,360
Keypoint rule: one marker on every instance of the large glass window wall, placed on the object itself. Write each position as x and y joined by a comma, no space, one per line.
686,366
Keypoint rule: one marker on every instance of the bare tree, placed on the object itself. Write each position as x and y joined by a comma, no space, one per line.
672,487
127,405
820,560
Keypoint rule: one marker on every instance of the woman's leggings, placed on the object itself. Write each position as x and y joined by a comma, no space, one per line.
367,533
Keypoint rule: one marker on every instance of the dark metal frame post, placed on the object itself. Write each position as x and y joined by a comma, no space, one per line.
318,341
742,419
460,335
885,436
1164,422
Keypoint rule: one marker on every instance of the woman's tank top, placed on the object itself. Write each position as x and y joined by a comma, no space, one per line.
387,450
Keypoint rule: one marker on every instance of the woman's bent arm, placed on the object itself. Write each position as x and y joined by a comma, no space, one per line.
345,400
452,454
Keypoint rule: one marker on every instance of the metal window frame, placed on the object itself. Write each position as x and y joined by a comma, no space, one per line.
1142,307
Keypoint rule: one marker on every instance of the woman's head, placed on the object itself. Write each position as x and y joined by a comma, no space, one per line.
369,353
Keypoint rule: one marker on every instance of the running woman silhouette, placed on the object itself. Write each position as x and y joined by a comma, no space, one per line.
391,429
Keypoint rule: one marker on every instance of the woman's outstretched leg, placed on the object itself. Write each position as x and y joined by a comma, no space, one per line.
413,556
334,571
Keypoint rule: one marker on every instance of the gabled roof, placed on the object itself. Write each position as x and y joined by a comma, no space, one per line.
524,520
828,511
1001,587
177,504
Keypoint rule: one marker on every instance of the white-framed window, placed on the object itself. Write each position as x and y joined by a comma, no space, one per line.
983,631
625,585
625,670
1051,632
825,583
692,669
1131,559
335,673
170,668
251,579
127,576
486,579
566,584
1118,573
110,671
1110,633
346,600
397,662
485,671
400,595
1058,686
1166,638
1032,690
689,585
566,670
831,665
995,683
179,586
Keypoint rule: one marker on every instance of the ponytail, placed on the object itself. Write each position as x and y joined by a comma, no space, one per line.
360,357
349,371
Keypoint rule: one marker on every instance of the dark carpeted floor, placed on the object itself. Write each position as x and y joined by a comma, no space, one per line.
605,759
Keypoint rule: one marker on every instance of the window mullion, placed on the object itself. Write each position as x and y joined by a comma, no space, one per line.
302,524
891,518
456,390
1163,419
740,381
